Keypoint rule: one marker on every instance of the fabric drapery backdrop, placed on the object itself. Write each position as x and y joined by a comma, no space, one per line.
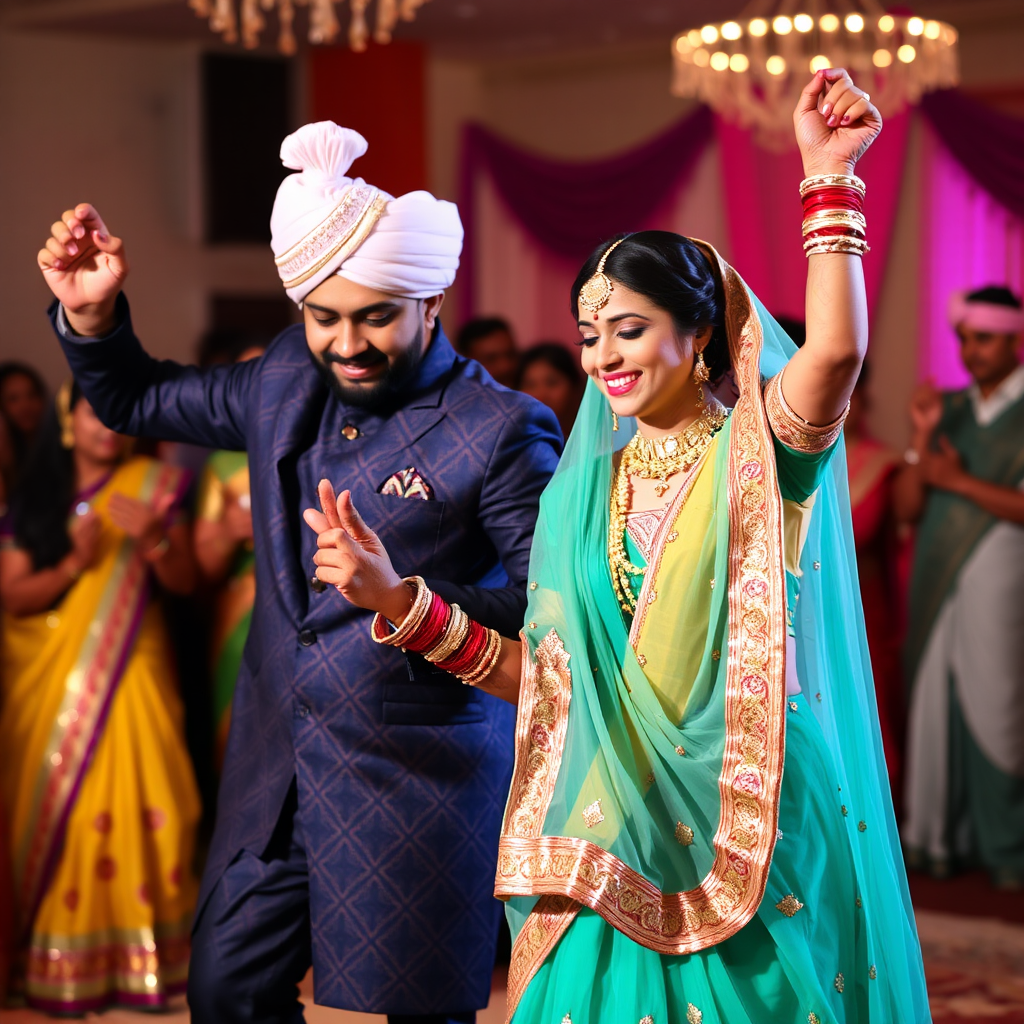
570,207
530,221
969,240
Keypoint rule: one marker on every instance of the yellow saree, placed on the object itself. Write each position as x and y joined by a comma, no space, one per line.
96,782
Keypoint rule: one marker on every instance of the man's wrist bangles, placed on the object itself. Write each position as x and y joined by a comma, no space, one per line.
834,214
444,634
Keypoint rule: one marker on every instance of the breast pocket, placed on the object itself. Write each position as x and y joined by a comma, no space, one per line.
409,528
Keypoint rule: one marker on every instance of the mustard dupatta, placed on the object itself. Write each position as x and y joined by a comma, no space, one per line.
76,668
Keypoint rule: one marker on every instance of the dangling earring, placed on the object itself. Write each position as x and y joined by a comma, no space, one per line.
615,421
701,376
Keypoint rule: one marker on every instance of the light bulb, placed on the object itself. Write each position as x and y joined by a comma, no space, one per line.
886,23
709,34
881,58
829,22
803,23
758,27
906,53
915,26
854,23
739,62
731,30
820,63
782,25
932,30
719,60
776,65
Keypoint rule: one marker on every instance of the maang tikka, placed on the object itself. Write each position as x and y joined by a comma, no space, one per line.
596,292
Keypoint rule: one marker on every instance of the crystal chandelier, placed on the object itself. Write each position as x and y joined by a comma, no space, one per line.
249,21
751,70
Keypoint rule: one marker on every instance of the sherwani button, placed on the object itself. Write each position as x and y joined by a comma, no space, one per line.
301,711
307,638
318,586
349,432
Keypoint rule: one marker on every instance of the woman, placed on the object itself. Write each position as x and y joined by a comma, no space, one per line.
96,782
872,467
227,561
549,373
658,864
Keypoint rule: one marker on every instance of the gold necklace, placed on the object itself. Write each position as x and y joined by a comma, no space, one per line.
653,460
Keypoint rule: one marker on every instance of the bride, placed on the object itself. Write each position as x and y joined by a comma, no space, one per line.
699,827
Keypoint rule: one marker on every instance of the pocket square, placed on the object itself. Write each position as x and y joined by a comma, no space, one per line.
407,483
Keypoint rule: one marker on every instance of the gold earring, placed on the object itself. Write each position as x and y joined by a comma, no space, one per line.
615,421
701,376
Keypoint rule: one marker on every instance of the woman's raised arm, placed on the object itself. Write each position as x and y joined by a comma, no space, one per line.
832,137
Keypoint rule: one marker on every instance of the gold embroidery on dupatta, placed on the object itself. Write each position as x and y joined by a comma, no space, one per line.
532,864
546,924
794,431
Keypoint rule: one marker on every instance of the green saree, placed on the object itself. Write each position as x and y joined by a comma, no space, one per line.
658,864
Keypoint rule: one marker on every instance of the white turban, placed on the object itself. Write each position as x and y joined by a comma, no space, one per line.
325,223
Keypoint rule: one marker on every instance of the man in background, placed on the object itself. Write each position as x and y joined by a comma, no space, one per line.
963,483
489,341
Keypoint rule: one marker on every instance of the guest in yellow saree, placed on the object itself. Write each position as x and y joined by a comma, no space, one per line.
95,781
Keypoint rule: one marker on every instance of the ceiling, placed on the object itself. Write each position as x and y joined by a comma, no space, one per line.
474,28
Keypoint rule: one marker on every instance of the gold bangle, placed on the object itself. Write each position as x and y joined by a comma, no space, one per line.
831,218
846,246
454,637
490,658
412,621
848,241
819,181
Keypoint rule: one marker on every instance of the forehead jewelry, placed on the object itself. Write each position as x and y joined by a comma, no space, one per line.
598,289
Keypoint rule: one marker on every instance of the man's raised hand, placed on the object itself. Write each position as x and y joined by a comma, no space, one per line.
85,267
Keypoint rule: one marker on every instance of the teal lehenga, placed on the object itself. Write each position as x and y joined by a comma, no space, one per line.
685,840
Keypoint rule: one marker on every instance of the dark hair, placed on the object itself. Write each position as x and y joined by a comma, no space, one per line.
557,356
39,509
482,327
20,442
994,295
676,276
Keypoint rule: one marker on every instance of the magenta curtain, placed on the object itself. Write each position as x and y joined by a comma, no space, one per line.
570,207
969,240
988,144
764,214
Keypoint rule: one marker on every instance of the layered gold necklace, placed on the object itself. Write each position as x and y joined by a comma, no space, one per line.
654,459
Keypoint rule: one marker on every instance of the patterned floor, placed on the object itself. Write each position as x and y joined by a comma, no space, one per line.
975,968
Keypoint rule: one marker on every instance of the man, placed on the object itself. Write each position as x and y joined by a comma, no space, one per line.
362,791
489,341
964,482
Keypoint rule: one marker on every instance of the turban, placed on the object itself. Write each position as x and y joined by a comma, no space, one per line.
325,223
989,317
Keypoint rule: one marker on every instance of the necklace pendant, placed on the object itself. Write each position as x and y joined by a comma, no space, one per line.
660,487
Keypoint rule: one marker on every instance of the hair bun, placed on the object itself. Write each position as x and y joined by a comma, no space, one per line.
323,151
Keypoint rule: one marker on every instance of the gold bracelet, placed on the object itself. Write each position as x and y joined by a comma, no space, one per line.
833,218
453,638
487,662
836,243
820,181
412,621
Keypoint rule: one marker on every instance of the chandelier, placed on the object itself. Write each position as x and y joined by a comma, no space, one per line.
751,70
248,21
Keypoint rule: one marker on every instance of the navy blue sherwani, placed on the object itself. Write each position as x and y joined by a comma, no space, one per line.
400,771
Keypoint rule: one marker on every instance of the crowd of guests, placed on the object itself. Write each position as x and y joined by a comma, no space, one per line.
103,538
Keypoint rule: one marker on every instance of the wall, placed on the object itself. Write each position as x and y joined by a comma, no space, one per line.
115,124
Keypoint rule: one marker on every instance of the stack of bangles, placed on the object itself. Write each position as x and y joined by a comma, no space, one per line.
444,634
834,214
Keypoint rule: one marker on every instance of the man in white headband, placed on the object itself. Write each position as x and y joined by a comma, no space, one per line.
363,789
964,484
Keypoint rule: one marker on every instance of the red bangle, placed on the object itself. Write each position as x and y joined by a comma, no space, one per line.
833,198
469,653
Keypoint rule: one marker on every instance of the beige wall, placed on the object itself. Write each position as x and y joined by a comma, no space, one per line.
115,124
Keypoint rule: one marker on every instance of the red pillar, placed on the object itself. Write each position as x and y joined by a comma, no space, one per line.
381,93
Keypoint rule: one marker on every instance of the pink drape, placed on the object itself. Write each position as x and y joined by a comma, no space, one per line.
968,241
764,213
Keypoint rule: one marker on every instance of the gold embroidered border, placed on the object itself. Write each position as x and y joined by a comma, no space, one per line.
751,776
793,431
340,233
541,725
546,924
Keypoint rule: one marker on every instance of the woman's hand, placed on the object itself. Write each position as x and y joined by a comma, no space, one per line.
833,136
351,557
925,410
145,524
85,268
84,534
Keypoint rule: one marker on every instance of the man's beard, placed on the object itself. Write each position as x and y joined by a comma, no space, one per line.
393,381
